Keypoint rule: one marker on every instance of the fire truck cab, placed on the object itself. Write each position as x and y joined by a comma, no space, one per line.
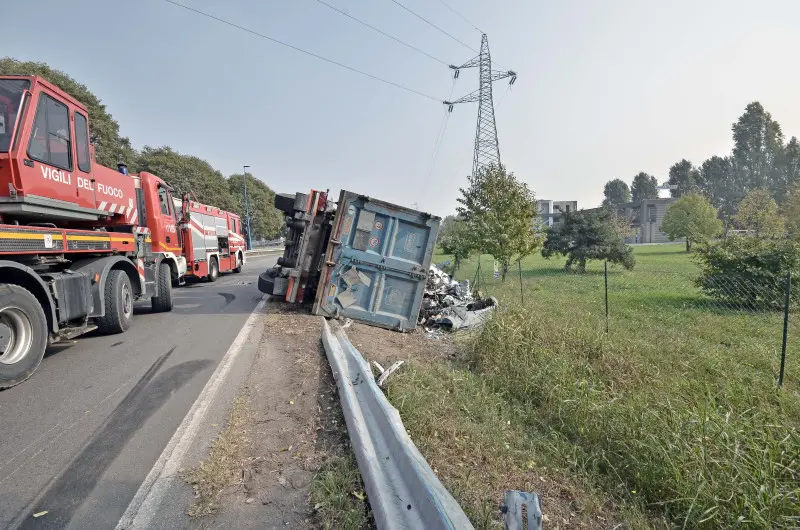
79,242
212,240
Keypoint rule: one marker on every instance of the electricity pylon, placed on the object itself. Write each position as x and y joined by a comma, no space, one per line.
487,149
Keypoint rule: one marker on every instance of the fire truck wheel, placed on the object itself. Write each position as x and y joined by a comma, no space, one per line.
119,304
238,268
23,335
163,302
213,270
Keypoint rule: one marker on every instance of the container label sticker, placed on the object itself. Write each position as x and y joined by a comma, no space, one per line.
378,225
347,225
48,241
332,291
411,242
374,242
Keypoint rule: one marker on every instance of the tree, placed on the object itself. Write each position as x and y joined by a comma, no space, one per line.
110,147
644,187
683,175
787,176
455,239
186,173
758,144
718,182
585,236
266,221
758,212
791,212
500,215
616,192
692,217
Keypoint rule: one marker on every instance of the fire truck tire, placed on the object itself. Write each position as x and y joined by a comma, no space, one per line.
238,268
119,304
163,302
213,270
23,335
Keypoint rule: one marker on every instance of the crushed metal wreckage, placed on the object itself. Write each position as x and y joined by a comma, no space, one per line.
451,305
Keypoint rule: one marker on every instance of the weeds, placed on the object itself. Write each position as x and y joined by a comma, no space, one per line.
337,495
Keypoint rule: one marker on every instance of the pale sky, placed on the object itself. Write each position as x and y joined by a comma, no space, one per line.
605,89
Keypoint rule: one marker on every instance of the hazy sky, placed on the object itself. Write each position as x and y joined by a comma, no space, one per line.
605,88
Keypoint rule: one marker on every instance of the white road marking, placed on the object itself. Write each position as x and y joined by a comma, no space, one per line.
148,498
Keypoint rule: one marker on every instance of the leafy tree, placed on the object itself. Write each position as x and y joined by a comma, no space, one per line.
749,272
110,147
500,215
265,220
683,175
791,212
758,144
758,212
456,239
616,192
644,187
692,217
718,182
585,236
788,174
186,174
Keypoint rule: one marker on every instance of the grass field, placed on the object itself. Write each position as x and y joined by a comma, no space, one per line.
672,419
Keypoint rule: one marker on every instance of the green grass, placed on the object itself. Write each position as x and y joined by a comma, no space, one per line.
337,495
672,419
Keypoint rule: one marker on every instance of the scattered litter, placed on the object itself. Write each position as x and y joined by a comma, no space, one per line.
347,323
378,367
39,514
451,305
358,495
388,373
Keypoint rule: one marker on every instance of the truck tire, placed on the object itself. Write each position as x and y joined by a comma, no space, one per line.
213,270
119,304
238,268
23,334
163,301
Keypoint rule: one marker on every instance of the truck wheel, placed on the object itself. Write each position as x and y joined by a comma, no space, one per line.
119,304
23,334
238,268
213,270
163,302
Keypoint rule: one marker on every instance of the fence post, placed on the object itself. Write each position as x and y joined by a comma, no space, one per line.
521,290
605,269
785,325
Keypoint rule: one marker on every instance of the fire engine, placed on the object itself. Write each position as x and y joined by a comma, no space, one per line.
212,240
79,242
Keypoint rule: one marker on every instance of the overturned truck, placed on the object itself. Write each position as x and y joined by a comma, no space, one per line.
361,258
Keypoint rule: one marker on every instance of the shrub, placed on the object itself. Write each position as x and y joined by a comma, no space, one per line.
748,271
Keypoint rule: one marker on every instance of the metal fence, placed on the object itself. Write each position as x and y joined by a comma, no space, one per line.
748,310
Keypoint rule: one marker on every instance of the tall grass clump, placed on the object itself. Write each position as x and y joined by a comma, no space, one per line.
653,424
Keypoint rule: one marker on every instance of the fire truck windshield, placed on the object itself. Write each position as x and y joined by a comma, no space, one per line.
11,91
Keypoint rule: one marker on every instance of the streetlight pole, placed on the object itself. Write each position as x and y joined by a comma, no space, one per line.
247,211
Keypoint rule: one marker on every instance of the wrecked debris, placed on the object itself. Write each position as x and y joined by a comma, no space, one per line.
451,305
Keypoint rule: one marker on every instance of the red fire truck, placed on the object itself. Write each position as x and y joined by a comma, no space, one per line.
79,242
212,240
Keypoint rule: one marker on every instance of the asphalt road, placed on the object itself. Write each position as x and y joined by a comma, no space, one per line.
80,436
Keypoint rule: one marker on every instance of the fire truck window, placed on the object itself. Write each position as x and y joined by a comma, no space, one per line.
11,91
163,199
50,141
82,142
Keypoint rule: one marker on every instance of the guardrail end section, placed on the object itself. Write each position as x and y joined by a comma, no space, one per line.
522,511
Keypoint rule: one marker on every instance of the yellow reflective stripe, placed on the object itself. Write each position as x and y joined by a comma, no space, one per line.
25,235
87,238
128,239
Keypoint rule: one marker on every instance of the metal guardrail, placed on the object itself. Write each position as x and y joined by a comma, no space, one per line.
403,491
263,251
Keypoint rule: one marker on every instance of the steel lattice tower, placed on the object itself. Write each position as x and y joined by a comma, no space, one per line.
487,148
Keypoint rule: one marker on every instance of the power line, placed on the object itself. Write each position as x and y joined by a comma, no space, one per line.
442,128
435,26
373,28
306,52
459,15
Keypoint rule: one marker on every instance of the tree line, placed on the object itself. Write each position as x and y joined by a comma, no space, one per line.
760,159
185,173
